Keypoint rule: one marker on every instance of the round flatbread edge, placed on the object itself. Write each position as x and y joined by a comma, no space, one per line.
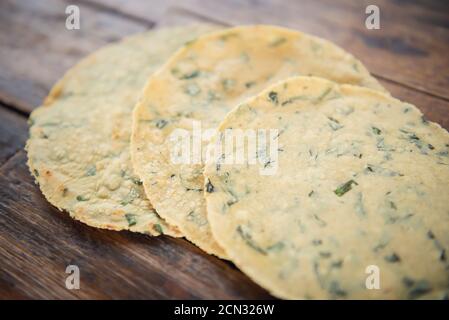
436,240
89,82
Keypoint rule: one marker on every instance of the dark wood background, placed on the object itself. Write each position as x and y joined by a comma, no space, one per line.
409,55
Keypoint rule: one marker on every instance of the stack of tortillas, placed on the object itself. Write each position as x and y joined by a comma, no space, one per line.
353,201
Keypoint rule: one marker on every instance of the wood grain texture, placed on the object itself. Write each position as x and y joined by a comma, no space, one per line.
36,48
434,109
39,242
13,133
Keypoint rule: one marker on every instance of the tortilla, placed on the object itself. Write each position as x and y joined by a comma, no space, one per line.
202,82
78,149
361,181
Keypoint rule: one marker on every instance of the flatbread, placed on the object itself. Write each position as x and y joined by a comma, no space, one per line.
361,180
78,149
202,82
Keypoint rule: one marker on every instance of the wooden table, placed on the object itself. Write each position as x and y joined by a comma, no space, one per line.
409,55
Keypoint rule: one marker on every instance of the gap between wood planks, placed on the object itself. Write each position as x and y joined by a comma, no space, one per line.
411,88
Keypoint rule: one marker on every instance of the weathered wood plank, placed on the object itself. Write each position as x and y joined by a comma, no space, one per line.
36,48
38,242
434,109
13,133
410,47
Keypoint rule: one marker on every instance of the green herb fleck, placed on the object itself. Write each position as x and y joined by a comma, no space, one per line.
131,218
209,187
424,120
190,75
137,181
322,95
212,96
443,255
249,241
411,135
325,254
91,170
376,130
190,42
132,194
273,97
408,282
419,288
277,42
334,124
359,207
392,258
82,198
228,35
319,221
337,264
335,289
245,57
345,187
161,123
157,227
370,168
293,99
250,84
393,205
278,246
228,84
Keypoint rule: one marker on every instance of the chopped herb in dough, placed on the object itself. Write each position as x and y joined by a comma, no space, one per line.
249,240
131,218
190,75
345,187
273,96
158,228
82,198
209,187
